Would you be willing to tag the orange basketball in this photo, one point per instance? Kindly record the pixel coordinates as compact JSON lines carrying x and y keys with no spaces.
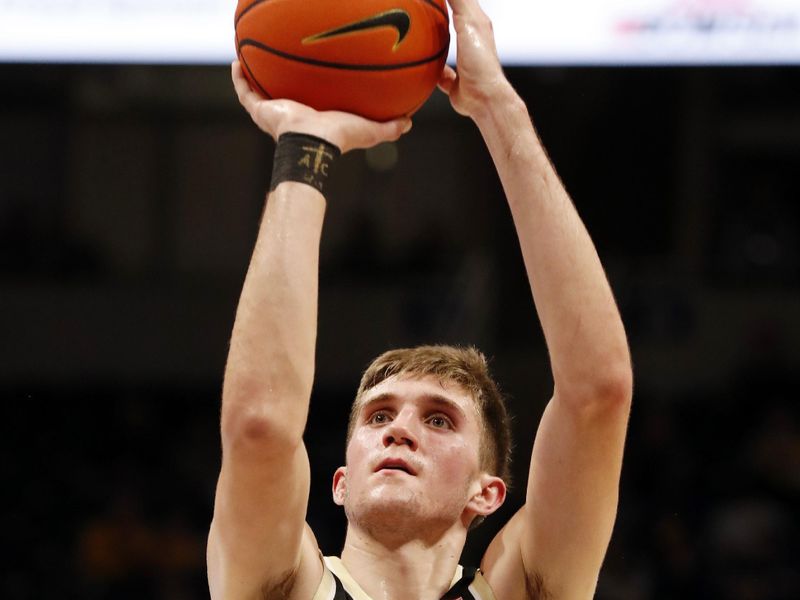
{"x":377,"y":58}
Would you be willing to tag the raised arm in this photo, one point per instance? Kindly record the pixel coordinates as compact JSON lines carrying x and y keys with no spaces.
{"x":557,"y":542}
{"x":259,"y":545}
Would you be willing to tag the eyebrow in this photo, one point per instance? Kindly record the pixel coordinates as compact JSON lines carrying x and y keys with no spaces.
{"x":435,"y":399}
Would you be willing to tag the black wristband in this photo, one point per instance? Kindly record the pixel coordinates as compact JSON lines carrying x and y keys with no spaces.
{"x":303,"y":158}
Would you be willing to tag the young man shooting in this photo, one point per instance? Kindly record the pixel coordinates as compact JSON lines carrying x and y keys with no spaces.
{"x":427,"y":443}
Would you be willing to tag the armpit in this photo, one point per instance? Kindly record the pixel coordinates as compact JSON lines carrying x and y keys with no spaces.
{"x":535,"y":588}
{"x":279,"y":588}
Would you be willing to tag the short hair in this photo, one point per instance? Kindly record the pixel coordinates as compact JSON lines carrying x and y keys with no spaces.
{"x":464,"y":366}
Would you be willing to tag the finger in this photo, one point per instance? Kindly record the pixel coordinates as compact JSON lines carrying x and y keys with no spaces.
{"x":239,"y":82}
{"x":447,"y":79}
{"x":371,"y":133}
{"x":465,"y":7}
{"x":237,"y":75}
{"x":400,"y":127}
{"x":388,"y":131}
{"x":247,"y":97}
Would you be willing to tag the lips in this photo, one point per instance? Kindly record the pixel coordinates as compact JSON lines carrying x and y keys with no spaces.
{"x":395,"y":464}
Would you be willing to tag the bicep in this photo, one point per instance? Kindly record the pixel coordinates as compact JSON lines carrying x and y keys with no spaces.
{"x":260,"y":505}
{"x":561,"y":535}
{"x":573,"y":490}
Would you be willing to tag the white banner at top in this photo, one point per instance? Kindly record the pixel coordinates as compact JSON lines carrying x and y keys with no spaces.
{"x":640,"y":32}
{"x":529,"y":32}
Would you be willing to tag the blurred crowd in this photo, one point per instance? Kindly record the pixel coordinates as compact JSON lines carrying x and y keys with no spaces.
{"x":710,"y":495}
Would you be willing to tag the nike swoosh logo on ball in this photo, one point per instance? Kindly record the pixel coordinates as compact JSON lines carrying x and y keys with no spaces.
{"x":396,"y":17}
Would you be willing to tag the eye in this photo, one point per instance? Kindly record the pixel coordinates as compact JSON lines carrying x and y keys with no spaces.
{"x":440,"y":421}
{"x":379,"y":417}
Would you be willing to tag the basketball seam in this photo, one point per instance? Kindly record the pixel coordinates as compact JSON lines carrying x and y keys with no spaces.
{"x":255,"y":79}
{"x":343,"y":66}
{"x":247,"y":10}
{"x":431,"y":3}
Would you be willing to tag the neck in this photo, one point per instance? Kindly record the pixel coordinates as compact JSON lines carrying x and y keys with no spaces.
{"x":391,"y":568}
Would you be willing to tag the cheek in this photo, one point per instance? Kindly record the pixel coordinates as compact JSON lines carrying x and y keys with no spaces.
{"x":359,"y":449}
{"x":459,"y":460}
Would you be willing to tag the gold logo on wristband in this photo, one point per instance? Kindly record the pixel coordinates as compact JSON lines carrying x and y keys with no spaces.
{"x":302,"y":158}
{"x":315,"y":160}
{"x":319,"y":163}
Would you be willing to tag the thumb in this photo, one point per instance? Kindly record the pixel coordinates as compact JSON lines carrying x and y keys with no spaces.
{"x":392,"y":130}
{"x":447,"y":79}
{"x":372,"y":133}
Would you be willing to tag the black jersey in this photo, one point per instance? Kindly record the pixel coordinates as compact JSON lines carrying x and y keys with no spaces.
{"x":338,"y":584}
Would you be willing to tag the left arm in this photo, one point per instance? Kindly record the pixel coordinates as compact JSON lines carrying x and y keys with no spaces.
{"x":564,"y":528}
{"x":557,"y":542}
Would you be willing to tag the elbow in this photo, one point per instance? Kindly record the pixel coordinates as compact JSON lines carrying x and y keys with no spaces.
{"x":609,"y":392}
{"x":615,"y":383}
{"x":615,"y":391}
{"x":262,"y":417}
{"x":259,"y":429}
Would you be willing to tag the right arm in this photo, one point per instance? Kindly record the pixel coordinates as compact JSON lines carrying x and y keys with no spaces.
{"x":263,"y":486}
{"x":258,"y":540}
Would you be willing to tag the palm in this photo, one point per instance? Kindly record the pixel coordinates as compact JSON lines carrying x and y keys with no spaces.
{"x":479,"y":70}
{"x":345,"y":130}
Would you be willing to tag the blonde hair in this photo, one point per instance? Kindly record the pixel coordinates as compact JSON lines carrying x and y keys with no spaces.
{"x":464,"y":366}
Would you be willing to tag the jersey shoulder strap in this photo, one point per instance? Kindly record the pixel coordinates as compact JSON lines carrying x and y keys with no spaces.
{"x":471,"y":586}
{"x":338,"y":584}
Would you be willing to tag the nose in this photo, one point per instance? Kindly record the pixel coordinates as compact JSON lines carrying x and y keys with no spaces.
{"x":400,"y":433}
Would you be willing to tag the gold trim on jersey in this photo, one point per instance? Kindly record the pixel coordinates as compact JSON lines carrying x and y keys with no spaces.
{"x":327,"y":587}
{"x":480,"y":587}
{"x":333,"y":565}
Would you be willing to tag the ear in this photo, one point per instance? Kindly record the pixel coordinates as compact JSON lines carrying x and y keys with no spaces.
{"x":339,"y":485}
{"x":489,"y":497}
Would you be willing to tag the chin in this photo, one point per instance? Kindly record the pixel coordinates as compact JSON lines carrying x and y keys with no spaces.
{"x":388,"y":512}
{"x":388,"y":502}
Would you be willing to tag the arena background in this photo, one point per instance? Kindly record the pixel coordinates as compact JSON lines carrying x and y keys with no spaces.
{"x":129,"y":201}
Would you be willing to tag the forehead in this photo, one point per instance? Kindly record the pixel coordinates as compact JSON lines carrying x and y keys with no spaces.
{"x":412,"y":388}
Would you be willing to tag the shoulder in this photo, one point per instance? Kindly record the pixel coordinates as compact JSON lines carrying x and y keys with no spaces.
{"x":504,"y":570}
{"x":298,"y":583}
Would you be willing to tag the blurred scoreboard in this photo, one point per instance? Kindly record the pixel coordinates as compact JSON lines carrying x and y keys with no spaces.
{"x":529,"y":32}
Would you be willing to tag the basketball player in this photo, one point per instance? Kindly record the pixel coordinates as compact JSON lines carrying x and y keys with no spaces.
{"x":427,"y":445}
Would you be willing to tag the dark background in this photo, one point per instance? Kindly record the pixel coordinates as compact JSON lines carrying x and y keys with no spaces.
{"x":129,"y":202}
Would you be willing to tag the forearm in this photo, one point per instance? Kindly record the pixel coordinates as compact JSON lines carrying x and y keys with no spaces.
{"x":270,"y":367}
{"x":581,"y":323}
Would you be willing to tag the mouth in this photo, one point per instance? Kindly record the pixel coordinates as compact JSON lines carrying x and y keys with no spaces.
{"x":395,"y":464}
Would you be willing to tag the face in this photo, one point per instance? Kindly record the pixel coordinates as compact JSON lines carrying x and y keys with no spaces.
{"x":413,"y":458}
